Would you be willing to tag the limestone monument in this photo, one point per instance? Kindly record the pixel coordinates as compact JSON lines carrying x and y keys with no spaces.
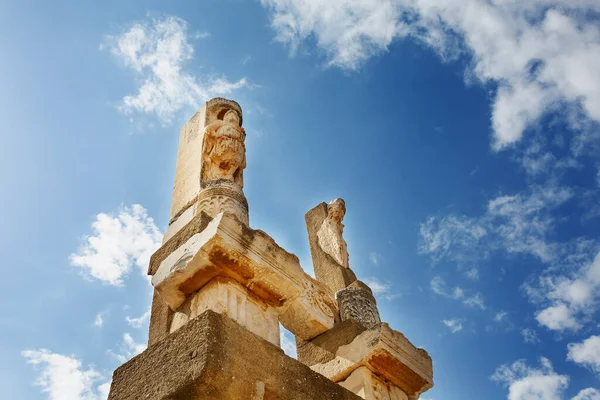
{"x":222,"y":290}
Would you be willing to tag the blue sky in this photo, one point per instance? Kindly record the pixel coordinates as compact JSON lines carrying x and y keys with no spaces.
{"x":463,"y":135}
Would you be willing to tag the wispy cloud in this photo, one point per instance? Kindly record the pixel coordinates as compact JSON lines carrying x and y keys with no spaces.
{"x":439,"y":287}
{"x":382,"y":289}
{"x":117,"y":243}
{"x":529,"y":336}
{"x":158,"y":50}
{"x":455,"y":325}
{"x":64,"y":377}
{"x":129,"y":348}
{"x":538,"y":55}
{"x":374,"y":258}
{"x":140,"y":321}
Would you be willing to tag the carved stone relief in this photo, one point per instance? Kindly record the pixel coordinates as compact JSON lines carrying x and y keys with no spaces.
{"x":330,"y":234}
{"x":358,"y":304}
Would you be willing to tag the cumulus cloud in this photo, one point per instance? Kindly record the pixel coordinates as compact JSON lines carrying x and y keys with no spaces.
{"x":439,"y":287}
{"x":116,"y":244}
{"x":158,"y":50}
{"x":64,"y":378}
{"x":538,"y":55}
{"x":528,"y":383}
{"x":569,"y":299}
{"x":455,"y":325}
{"x":586,"y":353}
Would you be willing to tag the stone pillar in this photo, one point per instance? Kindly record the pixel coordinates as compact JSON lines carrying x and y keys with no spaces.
{"x":327,"y":245}
{"x":210,"y":163}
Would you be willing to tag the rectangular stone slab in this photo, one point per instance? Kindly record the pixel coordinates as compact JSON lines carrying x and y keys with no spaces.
{"x":212,"y":357}
{"x":227,"y":247}
{"x":388,"y":354}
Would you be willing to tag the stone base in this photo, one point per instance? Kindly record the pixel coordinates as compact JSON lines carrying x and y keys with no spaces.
{"x":212,"y":357}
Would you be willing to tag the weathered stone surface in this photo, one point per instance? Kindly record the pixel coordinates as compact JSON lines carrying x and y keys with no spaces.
{"x":365,"y":384}
{"x":212,"y":357}
{"x":195,"y":225}
{"x":388,"y":354}
{"x":325,"y":238}
{"x":226,"y":296}
{"x":161,"y":317}
{"x":211,"y":147}
{"x":357,"y":303}
{"x":227,"y":247}
{"x":323,"y":348}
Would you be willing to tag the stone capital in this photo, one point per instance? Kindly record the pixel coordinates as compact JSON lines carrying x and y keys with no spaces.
{"x":227,"y":247}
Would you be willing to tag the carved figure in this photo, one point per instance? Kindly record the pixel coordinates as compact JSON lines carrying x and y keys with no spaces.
{"x":330,"y":234}
{"x":224,"y":151}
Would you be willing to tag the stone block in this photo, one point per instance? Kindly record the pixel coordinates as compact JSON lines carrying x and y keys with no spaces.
{"x":212,"y":357}
{"x":323,"y":348}
{"x":226,"y":296}
{"x":228,"y":248}
{"x":388,"y":354}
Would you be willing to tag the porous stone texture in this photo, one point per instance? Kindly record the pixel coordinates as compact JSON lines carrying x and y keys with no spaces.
{"x":357,"y":303}
{"x":388,"y":354}
{"x":365,"y":384}
{"x":228,"y":248}
{"x":327,"y":246}
{"x":226,"y":296}
{"x":212,"y":357}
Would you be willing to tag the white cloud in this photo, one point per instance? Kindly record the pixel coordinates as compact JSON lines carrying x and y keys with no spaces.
{"x":538,"y":54}
{"x":557,"y":318}
{"x":118,"y":242}
{"x":588,"y":394}
{"x":455,"y":325}
{"x":438,"y":286}
{"x":128,"y":349}
{"x":64,"y":378}
{"x":517,"y":224}
{"x":157,"y":50}
{"x":527,"y":383}
{"x":586,"y":353}
{"x":140,"y":321}
{"x":570,"y":299}
{"x":99,"y":320}
{"x":530,"y":336}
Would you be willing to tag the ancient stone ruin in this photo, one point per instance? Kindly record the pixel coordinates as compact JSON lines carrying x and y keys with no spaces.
{"x":222,"y":289}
